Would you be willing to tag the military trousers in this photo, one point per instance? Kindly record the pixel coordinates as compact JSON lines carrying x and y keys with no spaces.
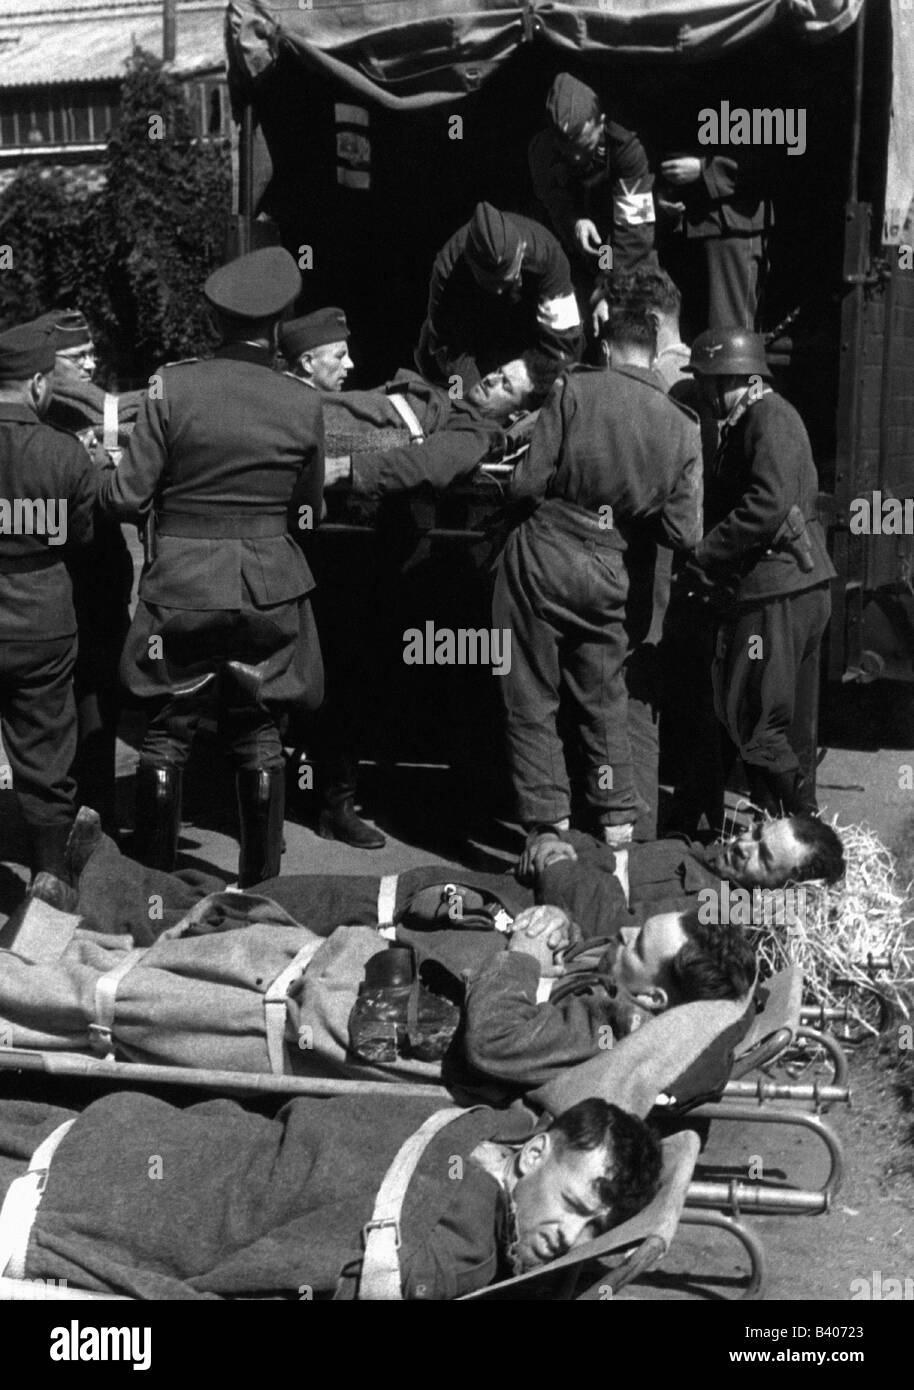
{"x":763,"y":654}
{"x":38,"y":715}
{"x":560,"y":591}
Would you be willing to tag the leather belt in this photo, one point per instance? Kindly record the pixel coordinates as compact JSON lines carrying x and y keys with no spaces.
{"x":237,"y":526}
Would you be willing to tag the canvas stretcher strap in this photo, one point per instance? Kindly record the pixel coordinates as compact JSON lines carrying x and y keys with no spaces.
{"x":409,"y":417}
{"x":274,"y":1004}
{"x":101,"y":1032}
{"x":23,"y":1198}
{"x":380,"y":1278}
{"x":387,"y":898}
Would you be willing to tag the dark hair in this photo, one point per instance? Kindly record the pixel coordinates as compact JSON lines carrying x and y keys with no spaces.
{"x":543,"y":372}
{"x":826,"y":852}
{"x":631,"y":325}
{"x":649,"y":287}
{"x":716,"y":962}
{"x":632,"y":1173}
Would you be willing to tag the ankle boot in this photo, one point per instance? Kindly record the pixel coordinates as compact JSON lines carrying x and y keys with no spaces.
{"x":261,"y":813}
{"x":158,"y":816}
{"x":339,"y":822}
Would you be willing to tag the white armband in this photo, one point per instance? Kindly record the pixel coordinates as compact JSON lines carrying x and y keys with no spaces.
{"x":559,"y":314}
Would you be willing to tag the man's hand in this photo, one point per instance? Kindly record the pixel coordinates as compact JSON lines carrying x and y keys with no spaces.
{"x":683,"y":170}
{"x":337,"y":470}
{"x":545,"y":933}
{"x":599,"y":313}
{"x":587,"y":236}
{"x":539,"y":852}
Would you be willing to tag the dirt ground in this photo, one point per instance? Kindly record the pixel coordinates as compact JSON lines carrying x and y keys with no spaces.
{"x":869,"y":735}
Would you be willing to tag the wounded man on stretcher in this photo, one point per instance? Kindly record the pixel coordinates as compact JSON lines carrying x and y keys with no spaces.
{"x":351,"y":1196}
{"x":464,"y":985}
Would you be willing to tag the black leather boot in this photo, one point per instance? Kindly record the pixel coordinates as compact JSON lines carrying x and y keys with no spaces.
{"x":261,"y":812}
{"x":339,"y":822}
{"x":158,"y":816}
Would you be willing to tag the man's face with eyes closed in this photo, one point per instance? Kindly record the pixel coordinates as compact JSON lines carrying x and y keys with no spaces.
{"x":557,"y":1198}
{"x":766,"y":856}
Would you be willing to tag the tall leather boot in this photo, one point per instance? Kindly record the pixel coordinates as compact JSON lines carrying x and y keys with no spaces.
{"x":261,"y":812}
{"x":338,"y":819}
{"x":158,"y":816}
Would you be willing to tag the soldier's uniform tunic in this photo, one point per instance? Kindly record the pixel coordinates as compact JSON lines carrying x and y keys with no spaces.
{"x":38,"y":625}
{"x":608,"y":440}
{"x":226,"y":459}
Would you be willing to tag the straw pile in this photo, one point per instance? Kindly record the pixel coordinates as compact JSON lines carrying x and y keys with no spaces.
{"x":864,"y":916}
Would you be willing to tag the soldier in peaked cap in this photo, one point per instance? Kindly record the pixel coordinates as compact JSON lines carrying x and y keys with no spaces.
{"x":316,"y":347}
{"x":102,"y":571}
{"x":227,"y":457}
{"x":49,"y":492}
{"x":499,"y":287}
{"x":766,"y":544}
{"x":592,"y":177}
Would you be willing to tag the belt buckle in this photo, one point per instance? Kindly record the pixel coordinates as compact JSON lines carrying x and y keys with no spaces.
{"x":385,"y":1222}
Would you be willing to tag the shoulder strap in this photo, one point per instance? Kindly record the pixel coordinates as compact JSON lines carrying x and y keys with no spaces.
{"x":381,"y":1263}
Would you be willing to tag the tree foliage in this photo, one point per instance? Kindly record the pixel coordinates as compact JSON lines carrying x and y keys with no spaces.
{"x":134,"y":252}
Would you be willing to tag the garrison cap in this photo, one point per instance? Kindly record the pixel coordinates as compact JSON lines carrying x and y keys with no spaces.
{"x":256,"y":286}
{"x":493,"y":240}
{"x":312,"y":331}
{"x":69,"y":328}
{"x":570,"y":105}
{"x":728,"y":352}
{"x":25,"y":350}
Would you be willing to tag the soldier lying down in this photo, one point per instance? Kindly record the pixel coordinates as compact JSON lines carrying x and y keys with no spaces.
{"x":410,"y":433}
{"x":156,"y":1202}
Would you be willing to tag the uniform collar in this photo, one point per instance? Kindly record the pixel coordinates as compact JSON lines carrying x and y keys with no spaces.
{"x":245,"y":352}
{"x":645,"y":374}
{"x":13,"y":410}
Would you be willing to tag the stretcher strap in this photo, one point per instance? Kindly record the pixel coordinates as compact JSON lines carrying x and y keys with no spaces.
{"x":109,"y":427}
{"x":380,"y":1278}
{"x":621,"y":873}
{"x":387,"y":898}
{"x":101,"y":1032}
{"x":274,"y":1004}
{"x":409,"y":417}
{"x":23,"y":1198}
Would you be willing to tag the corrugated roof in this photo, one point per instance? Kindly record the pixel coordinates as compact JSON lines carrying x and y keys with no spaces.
{"x":82,"y":41}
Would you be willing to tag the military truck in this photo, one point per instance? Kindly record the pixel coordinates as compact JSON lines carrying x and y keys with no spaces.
{"x":368,"y":132}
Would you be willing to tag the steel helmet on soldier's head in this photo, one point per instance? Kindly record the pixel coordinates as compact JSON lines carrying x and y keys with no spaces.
{"x":728,"y":352}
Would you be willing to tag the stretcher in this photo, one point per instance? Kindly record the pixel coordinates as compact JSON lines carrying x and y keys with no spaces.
{"x":596,"y":1269}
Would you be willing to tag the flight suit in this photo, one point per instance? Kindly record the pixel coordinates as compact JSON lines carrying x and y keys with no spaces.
{"x":38,"y":626}
{"x":612,"y":459}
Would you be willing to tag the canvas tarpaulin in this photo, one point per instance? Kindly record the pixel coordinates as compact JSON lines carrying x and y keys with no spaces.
{"x":410,"y":54}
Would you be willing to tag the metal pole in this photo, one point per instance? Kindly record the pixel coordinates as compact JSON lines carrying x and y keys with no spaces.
{"x":245,"y":178}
